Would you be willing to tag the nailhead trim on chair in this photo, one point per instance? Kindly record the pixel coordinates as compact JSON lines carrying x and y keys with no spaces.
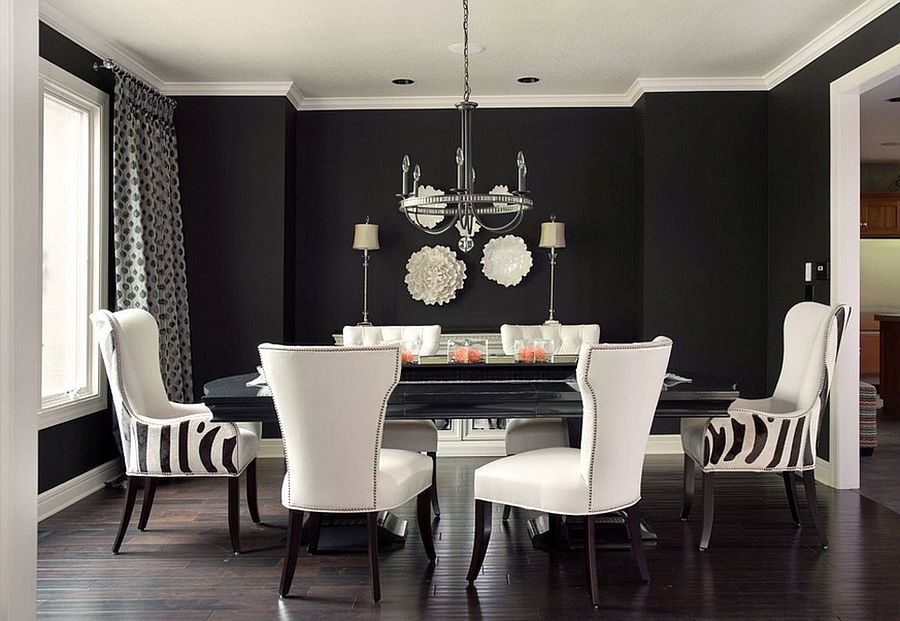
{"x":341,"y":349}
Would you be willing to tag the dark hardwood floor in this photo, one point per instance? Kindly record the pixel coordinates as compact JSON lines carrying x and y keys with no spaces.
{"x":759,"y":565}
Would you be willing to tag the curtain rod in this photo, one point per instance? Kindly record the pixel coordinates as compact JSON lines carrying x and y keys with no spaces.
{"x":108,"y":63}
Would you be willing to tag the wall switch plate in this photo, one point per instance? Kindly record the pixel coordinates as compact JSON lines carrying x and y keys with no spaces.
{"x":822,"y":270}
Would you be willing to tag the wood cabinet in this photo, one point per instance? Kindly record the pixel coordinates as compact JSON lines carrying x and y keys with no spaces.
{"x":879,"y":214}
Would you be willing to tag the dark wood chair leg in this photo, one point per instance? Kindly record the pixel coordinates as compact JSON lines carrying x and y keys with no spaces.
{"x":314,"y":529}
{"x":234,"y":513}
{"x":372,"y":521}
{"x":637,"y":543}
{"x":590,"y":558}
{"x":423,"y":515}
{"x":130,"y":495}
{"x":809,"y":484}
{"x":791,"y":491}
{"x":708,"y":509}
{"x":436,"y":506}
{"x":483,"y":514}
{"x":147,"y":501}
{"x":688,"y":488}
{"x":252,"y":504}
{"x":555,"y":522}
{"x":506,"y":511}
{"x":291,"y":551}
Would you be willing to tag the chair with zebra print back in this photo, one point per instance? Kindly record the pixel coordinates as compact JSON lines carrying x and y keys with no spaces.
{"x":161,"y":439}
{"x":777,"y":434}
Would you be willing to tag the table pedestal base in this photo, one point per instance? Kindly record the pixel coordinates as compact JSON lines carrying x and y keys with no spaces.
{"x":612,"y":534}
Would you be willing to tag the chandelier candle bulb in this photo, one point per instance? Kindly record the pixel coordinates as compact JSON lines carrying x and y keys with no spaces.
{"x":404,"y":165}
{"x":417,"y":174}
{"x":520,"y":161}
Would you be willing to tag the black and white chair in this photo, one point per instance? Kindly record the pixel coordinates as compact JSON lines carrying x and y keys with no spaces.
{"x":777,"y":434}
{"x":409,"y":435}
{"x":620,"y":386}
{"x":161,"y":439}
{"x":331,"y":403}
{"x":529,"y":434}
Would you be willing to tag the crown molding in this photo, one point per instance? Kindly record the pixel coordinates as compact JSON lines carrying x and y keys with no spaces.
{"x":448,"y":101}
{"x":96,"y":44}
{"x":295,"y":95}
{"x":835,"y":34}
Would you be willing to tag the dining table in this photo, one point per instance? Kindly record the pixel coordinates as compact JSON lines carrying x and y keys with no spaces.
{"x":497,"y":389}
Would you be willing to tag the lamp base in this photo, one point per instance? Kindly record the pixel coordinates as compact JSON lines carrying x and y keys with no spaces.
{"x":551,"y":322}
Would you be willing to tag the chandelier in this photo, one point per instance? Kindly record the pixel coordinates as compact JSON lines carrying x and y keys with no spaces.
{"x":462,"y":206}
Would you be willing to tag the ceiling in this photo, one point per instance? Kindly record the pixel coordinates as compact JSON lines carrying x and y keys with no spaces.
{"x":353,"y":48}
{"x":880,"y":122}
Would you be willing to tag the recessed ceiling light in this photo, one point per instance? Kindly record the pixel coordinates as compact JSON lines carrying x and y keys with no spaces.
{"x":403,"y":81}
{"x":894,"y":99}
{"x":528,"y":79}
{"x":474,"y":48}
{"x":892,"y":143}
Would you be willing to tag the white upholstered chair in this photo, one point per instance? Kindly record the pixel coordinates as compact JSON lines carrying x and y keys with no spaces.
{"x":777,"y":434}
{"x":161,"y":439}
{"x":410,"y":435}
{"x":331,"y":403}
{"x":528,"y":434}
{"x":620,"y":386}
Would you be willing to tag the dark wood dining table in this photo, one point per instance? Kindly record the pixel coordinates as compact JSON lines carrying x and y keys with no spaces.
{"x":495,"y":390}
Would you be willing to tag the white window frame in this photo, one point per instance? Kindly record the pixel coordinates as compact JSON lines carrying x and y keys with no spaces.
{"x":65,"y":86}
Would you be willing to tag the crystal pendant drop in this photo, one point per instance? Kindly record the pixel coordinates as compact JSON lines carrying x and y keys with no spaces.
{"x":466,"y":243}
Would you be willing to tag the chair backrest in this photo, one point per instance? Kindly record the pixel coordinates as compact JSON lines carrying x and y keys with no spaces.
{"x":331,"y":403}
{"x":568,"y":338}
{"x":620,"y":386}
{"x":429,"y":337}
{"x":812,"y":337}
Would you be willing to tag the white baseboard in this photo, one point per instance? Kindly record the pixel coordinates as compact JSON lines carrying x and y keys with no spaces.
{"x":663,"y":444}
{"x":824,"y":472}
{"x":58,"y":498}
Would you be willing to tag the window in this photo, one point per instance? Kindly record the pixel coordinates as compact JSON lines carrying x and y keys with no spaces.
{"x":74,"y":162}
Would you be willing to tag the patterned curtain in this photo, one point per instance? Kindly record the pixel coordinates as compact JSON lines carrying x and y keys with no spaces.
{"x":149,"y":243}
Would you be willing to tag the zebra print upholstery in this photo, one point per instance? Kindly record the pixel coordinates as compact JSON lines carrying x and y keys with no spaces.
{"x":160,"y":438}
{"x":777,"y":434}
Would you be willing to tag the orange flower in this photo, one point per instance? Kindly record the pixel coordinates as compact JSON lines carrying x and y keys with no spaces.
{"x":406,"y":356}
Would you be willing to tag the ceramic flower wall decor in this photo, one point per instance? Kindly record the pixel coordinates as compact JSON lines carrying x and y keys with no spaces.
{"x":506,"y":260}
{"x":434,"y":275}
{"x":427,"y":220}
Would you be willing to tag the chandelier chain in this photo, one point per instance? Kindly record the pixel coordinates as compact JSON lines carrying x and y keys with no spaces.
{"x":466,"y":90}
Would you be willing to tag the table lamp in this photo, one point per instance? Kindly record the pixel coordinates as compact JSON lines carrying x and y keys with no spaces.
{"x":553,"y":236}
{"x":365,"y":238}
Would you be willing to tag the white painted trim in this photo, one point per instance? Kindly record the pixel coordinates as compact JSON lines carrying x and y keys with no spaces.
{"x":665,"y":444}
{"x":448,"y":101}
{"x":20,"y":307}
{"x":824,"y":472}
{"x":239,"y":89}
{"x":66,"y":494}
{"x":96,"y":44}
{"x":295,"y":95}
{"x":837,"y":32}
{"x":845,"y":158}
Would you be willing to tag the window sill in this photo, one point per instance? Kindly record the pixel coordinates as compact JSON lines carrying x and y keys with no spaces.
{"x":63,"y":413}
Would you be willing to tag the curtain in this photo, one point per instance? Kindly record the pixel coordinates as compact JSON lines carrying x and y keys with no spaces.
{"x":149,"y":242}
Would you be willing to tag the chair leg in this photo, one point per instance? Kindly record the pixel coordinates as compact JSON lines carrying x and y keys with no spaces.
{"x":372,"y":521}
{"x":555,"y":522}
{"x":314,"y":529}
{"x":291,"y":551}
{"x":130,"y":495}
{"x":688,"y":488}
{"x":234,"y":513}
{"x":252,"y":504}
{"x":809,"y":484}
{"x":147,"y":501}
{"x":590,"y":557}
{"x":637,"y":543}
{"x":506,"y":511}
{"x":423,"y":515}
{"x":435,"y":505}
{"x":483,"y":514}
{"x":791,"y":491}
{"x":708,"y":509}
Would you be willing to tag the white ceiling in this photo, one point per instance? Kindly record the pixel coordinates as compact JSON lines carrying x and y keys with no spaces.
{"x":341,"y":48}
{"x":880,"y":122}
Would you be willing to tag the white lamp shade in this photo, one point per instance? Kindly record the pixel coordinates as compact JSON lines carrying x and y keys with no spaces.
{"x":365,"y":236}
{"x":553,"y":235}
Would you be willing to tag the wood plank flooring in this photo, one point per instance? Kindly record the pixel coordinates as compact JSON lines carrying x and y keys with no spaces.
{"x":759,"y":566}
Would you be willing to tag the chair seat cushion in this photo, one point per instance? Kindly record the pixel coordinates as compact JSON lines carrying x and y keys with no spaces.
{"x":410,"y":435}
{"x":530,"y":434}
{"x":544,"y":480}
{"x":402,"y":475}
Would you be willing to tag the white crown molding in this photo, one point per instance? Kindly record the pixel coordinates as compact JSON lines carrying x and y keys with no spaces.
{"x":96,"y":44}
{"x":295,"y":95}
{"x":236,"y":89}
{"x":448,"y":101}
{"x":838,"y":32}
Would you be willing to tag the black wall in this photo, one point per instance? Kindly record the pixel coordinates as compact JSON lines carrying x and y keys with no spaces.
{"x":580,"y":167}
{"x":70,"y":449}
{"x":701,"y":185}
{"x":236,"y":158}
